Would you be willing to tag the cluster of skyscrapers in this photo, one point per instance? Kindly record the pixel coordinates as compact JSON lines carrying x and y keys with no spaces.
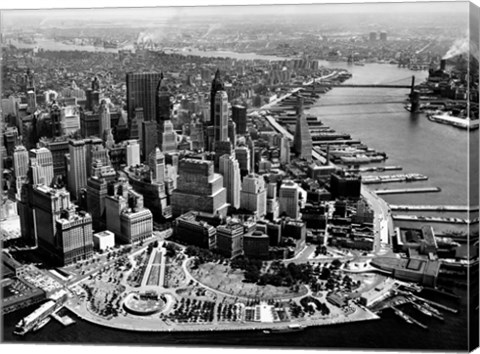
{"x":100,"y":168}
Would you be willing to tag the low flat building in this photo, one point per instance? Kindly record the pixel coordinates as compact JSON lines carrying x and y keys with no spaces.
{"x":104,"y":240}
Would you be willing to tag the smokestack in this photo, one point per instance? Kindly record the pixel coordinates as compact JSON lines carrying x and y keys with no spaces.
{"x":443,"y":64}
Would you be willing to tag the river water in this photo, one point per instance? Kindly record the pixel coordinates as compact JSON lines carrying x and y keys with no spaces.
{"x":413,"y":142}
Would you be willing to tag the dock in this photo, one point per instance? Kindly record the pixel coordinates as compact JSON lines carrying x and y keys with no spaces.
{"x":375,"y":169}
{"x":429,"y":219}
{"x":435,"y":304}
{"x":407,"y":190}
{"x":409,"y":177}
{"x":432,"y":207}
{"x":339,"y":141}
{"x":408,"y":318}
{"x":64,"y":320}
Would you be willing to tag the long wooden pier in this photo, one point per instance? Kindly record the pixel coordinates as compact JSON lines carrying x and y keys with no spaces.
{"x":432,"y":207}
{"x":408,"y":190}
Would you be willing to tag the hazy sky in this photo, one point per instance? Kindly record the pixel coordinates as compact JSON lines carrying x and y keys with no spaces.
{"x":166,"y":12}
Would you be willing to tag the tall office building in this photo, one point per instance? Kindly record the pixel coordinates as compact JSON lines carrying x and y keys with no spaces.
{"x":284,"y":150}
{"x":289,"y":200}
{"x":199,"y":188}
{"x":149,"y":140}
{"x":197,"y":134}
{"x":125,"y":214}
{"x":62,"y":233}
{"x":141,"y":91}
{"x":104,"y":119}
{"x":239,"y":116}
{"x":217,"y":85}
{"x":41,"y":163}
{"x":230,"y":170}
{"x":220,"y":117}
{"x":253,"y":196}
{"x":302,"y":140}
{"x":242,"y":154}
{"x":156,"y":162}
{"x":77,"y":175}
{"x":20,"y":161}
{"x":20,"y":169}
{"x":167,"y":138}
{"x":133,"y":152}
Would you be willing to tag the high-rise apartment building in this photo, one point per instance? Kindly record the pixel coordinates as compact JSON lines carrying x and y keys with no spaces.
{"x":289,"y":200}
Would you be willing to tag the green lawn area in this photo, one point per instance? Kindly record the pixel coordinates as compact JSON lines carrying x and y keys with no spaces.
{"x":223,"y":278}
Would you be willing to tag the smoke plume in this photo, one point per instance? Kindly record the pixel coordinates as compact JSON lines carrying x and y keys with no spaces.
{"x":460,"y":46}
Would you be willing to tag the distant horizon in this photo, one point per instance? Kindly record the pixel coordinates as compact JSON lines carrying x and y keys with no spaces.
{"x":150,"y":13}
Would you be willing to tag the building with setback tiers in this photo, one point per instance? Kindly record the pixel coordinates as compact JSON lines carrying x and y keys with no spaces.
{"x":62,"y":233}
{"x":126,"y":215}
{"x":199,"y":188}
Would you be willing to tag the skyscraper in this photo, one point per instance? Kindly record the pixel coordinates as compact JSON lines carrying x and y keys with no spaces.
{"x":141,"y":90}
{"x":220,"y":117}
{"x":289,"y":199}
{"x":253,"y":196}
{"x":20,"y":161}
{"x":77,"y":176}
{"x":230,"y":170}
{"x":149,"y":140}
{"x":133,"y":153}
{"x":167,"y":138}
{"x":239,"y":116}
{"x":20,"y":169}
{"x":41,"y":163}
{"x":199,"y":188}
{"x":105,"y":123}
{"x":302,"y":140}
{"x":217,"y":85}
{"x":156,"y":162}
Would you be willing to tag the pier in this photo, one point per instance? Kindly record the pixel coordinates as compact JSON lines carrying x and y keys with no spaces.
{"x":393,"y":178}
{"x":408,"y":190}
{"x":408,"y":318}
{"x":64,"y":320}
{"x":430,"y":219}
{"x":375,"y":169}
{"x":432,"y":207}
{"x":338,"y":141}
{"x":435,"y":304}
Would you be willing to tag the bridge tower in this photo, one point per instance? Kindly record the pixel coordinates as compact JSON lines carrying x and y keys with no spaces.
{"x":414,"y":97}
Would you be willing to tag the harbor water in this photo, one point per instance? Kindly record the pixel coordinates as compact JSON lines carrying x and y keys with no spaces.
{"x":415,"y":143}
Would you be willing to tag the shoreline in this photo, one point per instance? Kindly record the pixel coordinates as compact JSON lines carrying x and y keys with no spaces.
{"x":162,"y":327}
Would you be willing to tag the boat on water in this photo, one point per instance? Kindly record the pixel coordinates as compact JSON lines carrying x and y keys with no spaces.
{"x":288,"y":329}
{"x":422,"y":309}
{"x":36,"y":319}
{"x":403,"y":316}
{"x":41,"y":324}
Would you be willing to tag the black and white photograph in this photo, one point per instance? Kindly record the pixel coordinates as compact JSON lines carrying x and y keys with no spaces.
{"x":268,"y":176}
